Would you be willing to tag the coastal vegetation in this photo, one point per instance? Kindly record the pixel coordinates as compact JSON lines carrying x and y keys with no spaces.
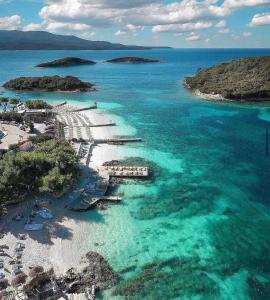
{"x":37,"y":104}
{"x":11,"y":116}
{"x":51,"y":167}
{"x":245,"y":79}
{"x":66,"y":62}
{"x":132,"y":60}
{"x":49,"y":83}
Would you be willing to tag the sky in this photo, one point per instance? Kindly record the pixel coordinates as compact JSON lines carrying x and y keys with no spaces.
{"x":180,"y":24}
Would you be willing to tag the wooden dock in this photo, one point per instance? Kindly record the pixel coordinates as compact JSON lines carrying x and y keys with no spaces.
{"x":60,"y":104}
{"x":118,"y":140}
{"x":125,"y":171}
{"x":94,"y":106}
{"x":92,"y":125}
{"x":91,"y":204}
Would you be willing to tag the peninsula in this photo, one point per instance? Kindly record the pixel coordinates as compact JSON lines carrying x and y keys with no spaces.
{"x":49,"y":83}
{"x":132,"y":60}
{"x":66,"y":62}
{"x":238,"y":80}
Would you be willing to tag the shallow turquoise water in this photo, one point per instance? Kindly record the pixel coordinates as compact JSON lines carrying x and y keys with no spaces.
{"x":203,"y":222}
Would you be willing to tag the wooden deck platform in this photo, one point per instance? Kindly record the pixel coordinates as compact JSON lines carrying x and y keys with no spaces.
{"x":86,"y":205}
{"x":117,"y":140}
{"x":125,"y":171}
{"x":93,"y":125}
{"x":94,"y":106}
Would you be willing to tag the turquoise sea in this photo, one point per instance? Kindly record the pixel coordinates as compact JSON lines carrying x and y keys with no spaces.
{"x":200,"y":228}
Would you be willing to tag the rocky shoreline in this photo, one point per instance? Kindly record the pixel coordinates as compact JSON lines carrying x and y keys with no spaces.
{"x":96,"y":274}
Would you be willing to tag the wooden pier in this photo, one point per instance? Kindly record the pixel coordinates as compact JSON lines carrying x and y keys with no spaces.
{"x":91,"y":204}
{"x":94,"y":106}
{"x":92,"y":125}
{"x":117,"y":140}
{"x":60,"y":104}
{"x":125,"y":171}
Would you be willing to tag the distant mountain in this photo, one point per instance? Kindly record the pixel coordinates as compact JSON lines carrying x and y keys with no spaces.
{"x":42,"y":40}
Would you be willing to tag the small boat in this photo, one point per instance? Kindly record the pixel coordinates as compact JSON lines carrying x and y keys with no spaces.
{"x":33,"y":227}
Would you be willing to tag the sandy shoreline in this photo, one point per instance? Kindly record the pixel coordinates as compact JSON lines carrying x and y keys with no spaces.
{"x":61,"y":243}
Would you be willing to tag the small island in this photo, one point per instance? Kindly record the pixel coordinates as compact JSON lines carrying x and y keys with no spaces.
{"x":49,"y":83}
{"x":132,"y":60}
{"x":238,"y":80}
{"x":66,"y":62}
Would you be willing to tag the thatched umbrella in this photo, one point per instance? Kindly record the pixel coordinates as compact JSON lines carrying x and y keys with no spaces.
{"x":19,"y":279}
{"x":3,"y":284}
{"x":3,"y":295}
{"x":35,"y":271}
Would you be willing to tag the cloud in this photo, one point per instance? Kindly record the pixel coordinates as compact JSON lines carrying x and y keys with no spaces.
{"x":32,"y":27}
{"x":10,"y":23}
{"x":134,"y":28}
{"x":138,"y":12}
{"x":181,"y":27}
{"x":15,"y":23}
{"x":120,"y":33}
{"x":193,"y":37}
{"x":221,"y":24}
{"x":260,"y":20}
{"x":235,"y":36}
{"x":67,"y":27}
{"x":129,"y":28}
{"x":236,"y":4}
{"x":247,"y":34}
{"x":224,"y":31}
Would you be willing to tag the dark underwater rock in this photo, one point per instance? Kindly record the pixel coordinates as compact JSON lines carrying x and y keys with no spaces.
{"x":97,"y":272}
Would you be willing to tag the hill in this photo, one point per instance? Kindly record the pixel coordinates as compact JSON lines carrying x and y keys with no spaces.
{"x":243,"y":80}
{"x":42,"y":40}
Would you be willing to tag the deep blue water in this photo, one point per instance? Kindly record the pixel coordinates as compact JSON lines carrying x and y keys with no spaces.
{"x":200,"y":229}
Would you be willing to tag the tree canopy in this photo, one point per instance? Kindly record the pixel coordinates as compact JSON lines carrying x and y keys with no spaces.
{"x":51,"y":167}
{"x":37,"y":104}
{"x":244,"y":79}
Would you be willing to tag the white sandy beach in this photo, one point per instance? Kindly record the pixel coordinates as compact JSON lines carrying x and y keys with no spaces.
{"x":61,"y":244}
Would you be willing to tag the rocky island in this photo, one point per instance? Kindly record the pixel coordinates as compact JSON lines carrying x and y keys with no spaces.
{"x":49,"y":83}
{"x":238,"y":80}
{"x":66,"y":62}
{"x":132,"y":60}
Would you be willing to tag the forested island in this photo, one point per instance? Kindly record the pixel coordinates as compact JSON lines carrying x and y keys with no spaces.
{"x":66,"y":62}
{"x":132,"y":60}
{"x":49,"y":83}
{"x":240,"y":80}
